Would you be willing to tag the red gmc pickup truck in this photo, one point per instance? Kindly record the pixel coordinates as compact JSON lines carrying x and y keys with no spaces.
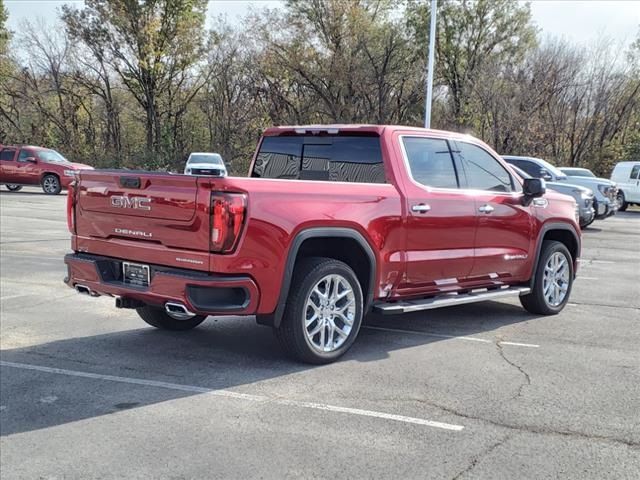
{"x":332,"y":222}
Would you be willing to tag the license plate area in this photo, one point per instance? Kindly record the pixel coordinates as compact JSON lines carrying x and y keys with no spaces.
{"x":135,"y":274}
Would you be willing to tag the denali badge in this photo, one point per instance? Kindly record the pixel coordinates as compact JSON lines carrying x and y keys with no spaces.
{"x":135,"y":233}
{"x":139,"y":203}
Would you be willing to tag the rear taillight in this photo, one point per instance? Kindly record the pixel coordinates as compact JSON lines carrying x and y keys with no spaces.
{"x":71,"y":203}
{"x":227,"y":217}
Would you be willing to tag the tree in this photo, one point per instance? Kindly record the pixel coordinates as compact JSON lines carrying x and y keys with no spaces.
{"x":152,"y":44}
{"x":470,"y":36}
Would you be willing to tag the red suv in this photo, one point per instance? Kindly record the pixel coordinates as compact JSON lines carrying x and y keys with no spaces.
{"x":26,"y":165}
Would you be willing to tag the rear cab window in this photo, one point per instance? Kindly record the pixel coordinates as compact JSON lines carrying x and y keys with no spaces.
{"x":338,"y":158}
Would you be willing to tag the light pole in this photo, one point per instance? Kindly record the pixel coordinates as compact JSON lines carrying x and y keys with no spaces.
{"x":432,"y":49}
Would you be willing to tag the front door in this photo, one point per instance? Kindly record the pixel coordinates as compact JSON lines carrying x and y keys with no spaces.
{"x":634,"y":184}
{"x":503,"y":236}
{"x":27,"y":172}
{"x":441,"y":219}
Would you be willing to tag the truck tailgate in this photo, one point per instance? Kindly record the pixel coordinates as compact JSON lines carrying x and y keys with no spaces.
{"x":152,"y":217}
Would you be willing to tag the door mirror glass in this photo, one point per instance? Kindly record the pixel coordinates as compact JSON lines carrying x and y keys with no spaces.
{"x":534,"y":187}
{"x":544,"y":173}
{"x":31,"y":160}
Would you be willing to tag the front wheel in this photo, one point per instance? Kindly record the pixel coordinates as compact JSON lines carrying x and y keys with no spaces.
{"x":622,"y":204}
{"x":157,"y":317}
{"x":51,"y":184}
{"x":553,"y":280}
{"x":323,"y":312}
{"x":13,"y":188}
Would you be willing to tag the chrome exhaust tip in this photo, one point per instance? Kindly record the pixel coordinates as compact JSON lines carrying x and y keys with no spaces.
{"x":83,"y":289}
{"x":178,"y":311}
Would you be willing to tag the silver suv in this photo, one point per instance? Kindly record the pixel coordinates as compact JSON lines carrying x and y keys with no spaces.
{"x":605,"y":191}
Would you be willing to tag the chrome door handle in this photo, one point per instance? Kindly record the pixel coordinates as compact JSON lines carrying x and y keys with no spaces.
{"x":486,"y":209}
{"x":420,"y":208}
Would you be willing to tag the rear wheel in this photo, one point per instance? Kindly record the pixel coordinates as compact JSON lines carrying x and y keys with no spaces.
{"x":622,"y":204}
{"x":553,"y":280}
{"x":323,"y":312}
{"x":51,"y":184}
{"x":13,"y":188}
{"x":586,"y":224}
{"x":157,"y":317}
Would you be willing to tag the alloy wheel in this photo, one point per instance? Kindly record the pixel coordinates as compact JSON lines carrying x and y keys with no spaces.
{"x":555,"y":284}
{"x":329,"y":313}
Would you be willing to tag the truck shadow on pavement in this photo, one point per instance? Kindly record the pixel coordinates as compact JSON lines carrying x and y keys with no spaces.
{"x":222,"y":353}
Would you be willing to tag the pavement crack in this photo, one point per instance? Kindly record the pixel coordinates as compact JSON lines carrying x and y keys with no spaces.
{"x":476,"y":459}
{"x":527,"y":377}
{"x":534,"y":429}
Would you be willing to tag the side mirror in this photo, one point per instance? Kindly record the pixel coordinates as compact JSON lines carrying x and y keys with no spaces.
{"x":533,"y":188}
{"x":31,"y":160}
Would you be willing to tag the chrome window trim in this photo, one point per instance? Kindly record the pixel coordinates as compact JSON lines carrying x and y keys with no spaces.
{"x":464,"y":191}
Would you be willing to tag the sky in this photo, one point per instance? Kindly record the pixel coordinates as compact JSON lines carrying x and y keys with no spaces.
{"x":578,"y":21}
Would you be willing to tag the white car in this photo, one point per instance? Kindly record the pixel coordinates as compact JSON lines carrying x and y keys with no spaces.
{"x":202,"y":163}
{"x":627,"y":176}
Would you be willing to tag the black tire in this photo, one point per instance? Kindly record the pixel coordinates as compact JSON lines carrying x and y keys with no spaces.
{"x":535,"y":302}
{"x":13,"y":188}
{"x":157,"y":317}
{"x":51,"y":184}
{"x":585,"y":225}
{"x":292,"y":334}
{"x":622,"y":205}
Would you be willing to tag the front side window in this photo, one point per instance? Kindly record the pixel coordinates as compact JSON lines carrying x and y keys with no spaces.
{"x":24,"y":154}
{"x":346,"y":158}
{"x":634,"y":172}
{"x":430,"y":162}
{"x":482,"y":170}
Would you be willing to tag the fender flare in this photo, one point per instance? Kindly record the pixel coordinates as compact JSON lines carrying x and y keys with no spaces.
{"x":319,"y":232}
{"x":547,"y":227}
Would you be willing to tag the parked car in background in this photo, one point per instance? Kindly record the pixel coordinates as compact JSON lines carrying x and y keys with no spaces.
{"x":583,"y":197}
{"x":577,"y":172}
{"x":334,"y":221}
{"x":202,"y":163}
{"x":28,"y":165}
{"x":605,"y":201}
{"x":627,"y":177}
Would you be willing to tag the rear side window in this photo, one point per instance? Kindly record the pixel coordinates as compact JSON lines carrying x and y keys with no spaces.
{"x":7,"y":155}
{"x":483,"y":171}
{"x":336,"y":159}
{"x":430,"y":162}
{"x":634,"y":172}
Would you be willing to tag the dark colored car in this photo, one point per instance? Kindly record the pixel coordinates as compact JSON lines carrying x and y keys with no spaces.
{"x":333,"y":222}
{"x":27,"y":165}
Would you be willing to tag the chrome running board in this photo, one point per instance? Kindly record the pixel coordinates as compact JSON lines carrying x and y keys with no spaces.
{"x":447,"y":300}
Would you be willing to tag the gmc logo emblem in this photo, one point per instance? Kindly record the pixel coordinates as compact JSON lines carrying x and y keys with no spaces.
{"x":138,"y":203}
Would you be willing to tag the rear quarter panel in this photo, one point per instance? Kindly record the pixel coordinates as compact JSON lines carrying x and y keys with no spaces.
{"x":280,"y":209}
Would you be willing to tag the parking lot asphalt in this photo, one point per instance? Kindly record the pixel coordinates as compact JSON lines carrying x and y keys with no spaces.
{"x":476,"y":391}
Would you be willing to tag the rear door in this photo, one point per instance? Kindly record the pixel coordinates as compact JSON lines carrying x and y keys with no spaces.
{"x":504,"y":225}
{"x":441,"y":218}
{"x":8,"y":165}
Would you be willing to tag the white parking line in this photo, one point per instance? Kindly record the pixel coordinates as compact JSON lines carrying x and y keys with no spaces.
{"x":455,"y":337}
{"x":235,"y":395}
{"x":586,"y":260}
